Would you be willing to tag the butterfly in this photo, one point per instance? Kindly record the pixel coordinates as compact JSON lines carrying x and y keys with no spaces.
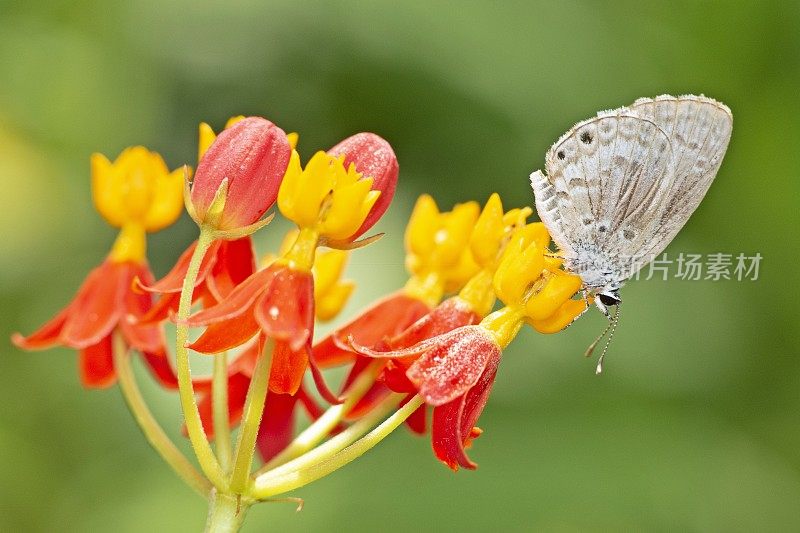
{"x":619,"y":186}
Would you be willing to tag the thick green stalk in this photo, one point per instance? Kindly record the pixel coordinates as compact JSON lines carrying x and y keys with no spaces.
{"x":225,"y":512}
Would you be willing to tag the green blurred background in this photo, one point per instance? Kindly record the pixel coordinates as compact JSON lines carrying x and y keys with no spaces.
{"x":694,"y":426}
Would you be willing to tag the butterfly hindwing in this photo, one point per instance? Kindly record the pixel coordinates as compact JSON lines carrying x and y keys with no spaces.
{"x":700,"y":130}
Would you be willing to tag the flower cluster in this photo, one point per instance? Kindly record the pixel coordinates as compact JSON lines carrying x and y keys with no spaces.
{"x":433,"y":345}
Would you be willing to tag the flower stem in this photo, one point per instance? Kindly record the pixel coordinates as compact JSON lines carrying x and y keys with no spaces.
{"x":336,"y":443}
{"x":219,"y":395}
{"x":225,"y":512}
{"x":321,"y":427}
{"x":150,"y":427}
{"x":251,"y":420}
{"x":194,"y":426}
{"x":267,"y":485}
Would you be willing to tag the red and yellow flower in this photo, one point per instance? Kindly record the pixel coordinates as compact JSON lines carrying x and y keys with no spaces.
{"x":488,"y":238}
{"x":138,"y":194}
{"x":454,"y":371}
{"x":330,"y":203}
{"x":438,"y":259}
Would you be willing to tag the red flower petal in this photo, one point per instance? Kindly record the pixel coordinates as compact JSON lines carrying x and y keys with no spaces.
{"x":319,"y":381}
{"x":237,"y":395}
{"x":166,"y":305}
{"x":161,"y":368}
{"x":46,"y":336}
{"x":286,"y":312}
{"x":394,"y":376}
{"x":454,"y":365}
{"x":98,"y":305}
{"x":288,"y":368}
{"x":239,"y":301}
{"x":226,"y":335}
{"x":173,"y":281}
{"x":235,"y":263}
{"x":447,"y":316}
{"x":376,"y":393}
{"x":277,"y":424}
{"x":143,"y":337}
{"x":453,"y":422}
{"x":386,"y":318}
{"x":411,"y":351}
{"x":97,"y":365}
{"x":418,"y":421}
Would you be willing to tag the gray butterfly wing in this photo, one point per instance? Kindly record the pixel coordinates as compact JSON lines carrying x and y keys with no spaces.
{"x":606,"y":178}
{"x":699,"y":129}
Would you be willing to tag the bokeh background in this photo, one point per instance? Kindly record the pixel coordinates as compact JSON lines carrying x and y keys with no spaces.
{"x":695,"y":425}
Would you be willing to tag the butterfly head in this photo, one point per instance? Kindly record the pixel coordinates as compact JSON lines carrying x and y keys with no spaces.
{"x":605,"y":299}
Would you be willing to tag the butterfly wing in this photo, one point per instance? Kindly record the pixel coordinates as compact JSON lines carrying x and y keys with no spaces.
{"x":699,"y":129}
{"x":606,"y":177}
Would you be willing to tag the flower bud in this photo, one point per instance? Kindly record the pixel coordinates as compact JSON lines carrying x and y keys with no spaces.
{"x":252,"y":155}
{"x":374,"y":158}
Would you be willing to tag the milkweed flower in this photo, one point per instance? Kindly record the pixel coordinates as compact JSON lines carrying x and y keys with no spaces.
{"x":138,"y":194}
{"x":437,"y":257}
{"x":488,"y":239}
{"x":226,"y":262}
{"x":329,"y":203}
{"x":278,"y":422}
{"x":238,"y":176}
{"x":454,"y":371}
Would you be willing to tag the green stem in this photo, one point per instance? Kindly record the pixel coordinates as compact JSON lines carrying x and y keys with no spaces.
{"x":219,"y":396}
{"x":194,"y":425}
{"x":267,"y":485}
{"x":225,"y":512}
{"x":336,"y":443}
{"x":321,"y":427}
{"x":150,"y":427}
{"x":251,"y":420}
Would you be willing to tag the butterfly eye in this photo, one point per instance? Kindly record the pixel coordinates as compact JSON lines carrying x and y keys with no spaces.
{"x":607,"y":299}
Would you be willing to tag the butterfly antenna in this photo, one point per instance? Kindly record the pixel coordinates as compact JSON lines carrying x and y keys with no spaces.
{"x":613,"y":326}
{"x":592,"y":346}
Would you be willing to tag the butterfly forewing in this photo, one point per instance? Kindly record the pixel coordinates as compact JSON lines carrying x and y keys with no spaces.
{"x":604,"y":174}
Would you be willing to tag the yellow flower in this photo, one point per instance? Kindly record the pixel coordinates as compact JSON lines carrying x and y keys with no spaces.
{"x":437,"y":251}
{"x":330,"y":291}
{"x":136,"y":193}
{"x":491,"y":234}
{"x":325,"y":196}
{"x":532,"y":285}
